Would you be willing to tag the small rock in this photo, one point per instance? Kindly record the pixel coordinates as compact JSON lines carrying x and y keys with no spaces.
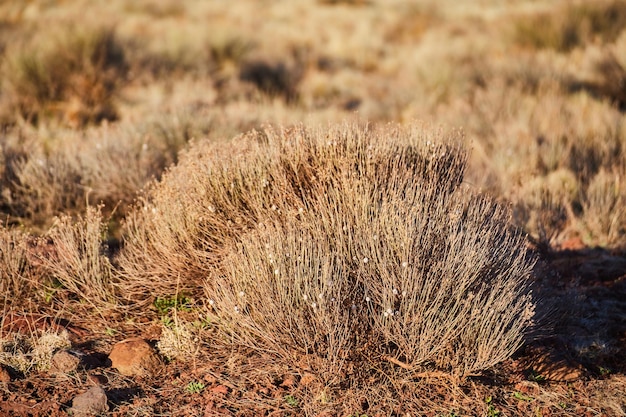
{"x":4,"y":375}
{"x":64,"y":361}
{"x":91,"y":403}
{"x":134,"y":357}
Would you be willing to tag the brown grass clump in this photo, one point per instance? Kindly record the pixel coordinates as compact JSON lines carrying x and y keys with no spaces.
{"x":79,"y":262}
{"x":573,"y":25}
{"x":543,"y":154}
{"x":326,"y":248}
{"x":603,"y":205}
{"x":15,"y":270}
{"x":610,"y":82}
{"x":73,"y":77}
{"x":46,"y":177}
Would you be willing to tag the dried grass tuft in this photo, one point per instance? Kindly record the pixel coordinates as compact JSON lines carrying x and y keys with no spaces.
{"x":15,"y":269}
{"x":79,"y":262}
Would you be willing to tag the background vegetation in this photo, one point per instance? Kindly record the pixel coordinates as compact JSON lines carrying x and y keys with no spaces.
{"x":162,"y":150}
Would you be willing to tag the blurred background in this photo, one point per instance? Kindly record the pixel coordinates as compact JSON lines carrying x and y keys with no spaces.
{"x":97,"y":98}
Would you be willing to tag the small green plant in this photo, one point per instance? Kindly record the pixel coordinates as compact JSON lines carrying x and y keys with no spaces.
{"x":110,"y":332}
{"x":604,"y":371}
{"x":179,"y":302}
{"x":51,"y":289}
{"x":202,"y":323}
{"x":535,"y":376}
{"x":492,"y":411}
{"x":292,"y":401}
{"x":194,"y":387}
{"x":167,"y":321}
{"x":520,"y":396}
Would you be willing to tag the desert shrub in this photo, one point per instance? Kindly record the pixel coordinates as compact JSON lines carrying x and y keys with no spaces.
{"x":186,"y":222}
{"x":44,"y":177}
{"x":333,"y":246}
{"x":15,"y":270}
{"x":44,"y":185}
{"x":545,"y":157}
{"x":610,"y":83}
{"x":274,"y":79}
{"x":228,"y":51}
{"x":73,"y":77}
{"x":448,"y":288}
{"x":542,"y":205}
{"x":354,"y":277}
{"x":295,"y":276}
{"x":604,"y":215}
{"x":564,"y":29}
{"x":79,"y":262}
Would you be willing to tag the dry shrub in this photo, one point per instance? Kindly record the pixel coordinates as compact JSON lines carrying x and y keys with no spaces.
{"x":45,"y":177}
{"x":541,"y":205}
{"x":565,"y":138}
{"x":44,"y":185}
{"x":287,"y":291}
{"x":604,"y":206}
{"x":611,"y":80}
{"x":613,"y":85}
{"x":409,"y":277}
{"x":184,"y":224}
{"x":79,"y":262}
{"x":227,"y":52}
{"x":73,"y":77}
{"x":15,"y":270}
{"x":274,"y":79}
{"x":328,"y":247}
{"x":542,"y":150}
{"x":573,"y":25}
{"x":33,"y":352}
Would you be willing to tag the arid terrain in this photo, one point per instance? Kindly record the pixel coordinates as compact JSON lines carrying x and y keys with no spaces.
{"x":313,"y":207}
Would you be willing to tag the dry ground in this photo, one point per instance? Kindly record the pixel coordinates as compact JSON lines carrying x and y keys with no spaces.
{"x":98,"y":101}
